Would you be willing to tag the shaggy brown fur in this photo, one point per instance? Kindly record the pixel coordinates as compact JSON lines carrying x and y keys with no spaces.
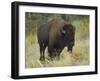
{"x":55,"y":34}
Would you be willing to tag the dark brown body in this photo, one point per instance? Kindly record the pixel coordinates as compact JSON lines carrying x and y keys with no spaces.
{"x":55,"y":35}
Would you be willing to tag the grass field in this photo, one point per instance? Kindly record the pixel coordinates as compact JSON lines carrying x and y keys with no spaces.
{"x":79,"y":57}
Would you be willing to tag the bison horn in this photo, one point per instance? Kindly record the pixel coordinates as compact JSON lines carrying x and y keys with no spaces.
{"x":63,"y":31}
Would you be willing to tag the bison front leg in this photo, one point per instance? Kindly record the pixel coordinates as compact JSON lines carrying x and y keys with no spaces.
{"x":70,"y":46}
{"x":51,"y":53}
{"x":69,"y":49}
{"x":58,"y":53}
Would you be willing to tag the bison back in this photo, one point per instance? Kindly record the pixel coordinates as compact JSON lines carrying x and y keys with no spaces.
{"x":43,"y":33}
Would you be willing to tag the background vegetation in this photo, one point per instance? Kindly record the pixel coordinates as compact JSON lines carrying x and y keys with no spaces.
{"x":80,"y":55}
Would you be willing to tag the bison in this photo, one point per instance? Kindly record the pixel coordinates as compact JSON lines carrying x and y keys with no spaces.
{"x":55,"y":34}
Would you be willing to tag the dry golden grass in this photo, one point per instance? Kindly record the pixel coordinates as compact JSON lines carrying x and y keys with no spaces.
{"x":80,"y":55}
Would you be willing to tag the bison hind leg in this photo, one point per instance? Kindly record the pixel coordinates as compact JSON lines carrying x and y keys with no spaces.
{"x":42,"y":51}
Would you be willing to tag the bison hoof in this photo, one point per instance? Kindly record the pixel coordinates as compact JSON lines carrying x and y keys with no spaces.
{"x":70,"y":52}
{"x":50,"y":58}
{"x":58,"y":57}
{"x":42,"y":59}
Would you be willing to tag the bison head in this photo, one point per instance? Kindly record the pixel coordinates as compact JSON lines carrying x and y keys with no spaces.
{"x":68,"y":34}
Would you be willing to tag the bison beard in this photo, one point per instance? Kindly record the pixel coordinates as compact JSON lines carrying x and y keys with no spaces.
{"x":55,"y":35}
